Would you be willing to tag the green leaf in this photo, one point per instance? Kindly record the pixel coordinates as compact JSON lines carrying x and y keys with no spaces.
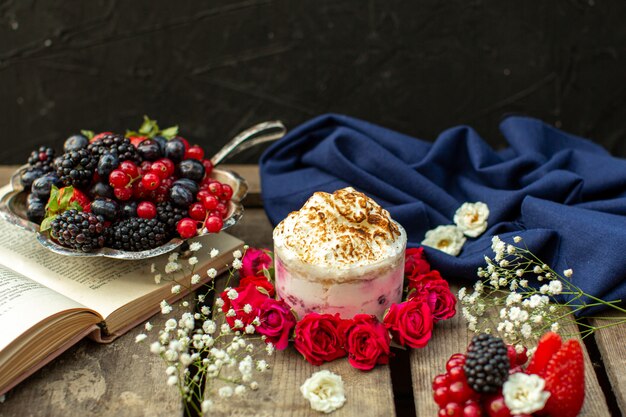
{"x":76,"y":206}
{"x":263,"y":291}
{"x":89,"y":134}
{"x":68,"y":193}
{"x":149,"y":127}
{"x":170,"y":132}
{"x":130,"y":133}
{"x":46,"y":223}
{"x":53,"y":201}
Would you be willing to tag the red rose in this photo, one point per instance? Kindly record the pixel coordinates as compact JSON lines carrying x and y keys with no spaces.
{"x":321,"y":337}
{"x":255,"y":261}
{"x":417,"y":279}
{"x":410,"y":323}
{"x":277,"y":322}
{"x":259,"y":281}
{"x":367,"y":341}
{"x":440,"y":299}
{"x":245,"y":295}
{"x":414,"y":262}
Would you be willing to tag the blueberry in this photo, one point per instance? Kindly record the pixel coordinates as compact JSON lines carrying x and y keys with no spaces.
{"x":192,"y":169}
{"x":105,"y":207}
{"x":36,"y":210}
{"x":175,"y":150}
{"x":129,"y":209}
{"x":188,"y":184}
{"x":75,"y":142}
{"x":41,"y":186}
{"x":32,"y":198}
{"x":107,"y":163}
{"x":149,"y":150}
{"x":28,"y":177}
{"x":101,"y":189}
{"x":162,"y":142}
{"x":181,"y":196}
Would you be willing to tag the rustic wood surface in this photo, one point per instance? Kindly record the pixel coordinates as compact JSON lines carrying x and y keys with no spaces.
{"x":124,"y":379}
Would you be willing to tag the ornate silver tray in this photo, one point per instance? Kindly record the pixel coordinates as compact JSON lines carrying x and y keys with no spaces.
{"x":13,"y":204}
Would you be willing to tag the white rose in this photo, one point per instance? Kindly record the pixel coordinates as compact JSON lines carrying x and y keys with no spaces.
{"x":524,"y":394}
{"x":448,"y":239}
{"x":324,"y":390}
{"x":471,"y":218}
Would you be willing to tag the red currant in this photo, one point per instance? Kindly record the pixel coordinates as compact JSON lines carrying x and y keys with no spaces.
{"x":210,"y":202}
{"x":227,"y":192}
{"x":223,"y":209}
{"x":441,"y":396}
{"x":215,"y":188}
{"x":472,"y":409}
{"x":460,"y":392}
{"x":145,"y":167}
{"x":202,"y":194}
{"x":194,"y":152}
{"x":146,"y":210}
{"x":457,"y":374}
{"x":118,"y":179}
{"x":208,"y":166}
{"x":187,"y":228}
{"x":129,"y":168}
{"x":160,"y":169}
{"x":453,"y":410}
{"x":496,"y":407}
{"x":442,"y":413}
{"x":453,"y":362}
{"x":197,"y":211}
{"x":213,"y":224}
{"x":169,"y":164}
{"x":441,"y":381}
{"x":123,"y":193}
{"x":151,"y":181}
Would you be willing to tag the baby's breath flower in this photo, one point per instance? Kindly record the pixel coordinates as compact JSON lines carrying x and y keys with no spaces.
{"x":517,"y":239}
{"x":537,"y":269}
{"x":247,"y":308}
{"x":172,"y":267}
{"x":201,"y":298}
{"x":554,"y":327}
{"x":254,"y":385}
{"x":193,"y":260}
{"x":155,"y":347}
{"x":214,"y":253}
{"x":237,"y":254}
{"x":176,"y":289}
{"x":157,"y":279}
{"x":249,"y":329}
{"x":140,"y":337}
{"x":165,"y":307}
{"x":237,"y":264}
{"x":206,"y":406}
{"x":205,"y":310}
{"x":148,"y":326}
{"x":231,"y":312}
{"x":269,"y":348}
{"x":211,"y":272}
{"x":568,"y":273}
{"x":225,"y":392}
{"x":232,"y":294}
{"x":195,"y":246}
{"x":172,"y":257}
{"x":240,"y":390}
{"x":555,"y":287}
{"x":195,"y":278}
{"x":519,"y":272}
{"x":219,"y":303}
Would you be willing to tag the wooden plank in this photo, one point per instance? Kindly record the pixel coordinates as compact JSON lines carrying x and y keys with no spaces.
{"x":452,"y":336}
{"x":367,"y":393}
{"x":611,"y":342}
{"x":121,"y":378}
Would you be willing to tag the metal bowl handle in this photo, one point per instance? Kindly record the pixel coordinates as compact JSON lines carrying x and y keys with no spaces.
{"x":263,"y":132}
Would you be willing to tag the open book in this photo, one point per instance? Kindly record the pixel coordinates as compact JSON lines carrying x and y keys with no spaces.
{"x":48,"y":302}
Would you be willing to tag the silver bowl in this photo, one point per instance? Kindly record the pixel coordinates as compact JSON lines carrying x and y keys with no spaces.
{"x":13,"y":209}
{"x":13,"y":204}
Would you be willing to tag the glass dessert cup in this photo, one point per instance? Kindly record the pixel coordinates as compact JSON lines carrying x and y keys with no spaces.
{"x":345,"y":289}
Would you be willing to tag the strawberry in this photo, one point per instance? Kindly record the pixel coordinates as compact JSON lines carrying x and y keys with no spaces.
{"x":136,"y":140}
{"x":565,"y":381}
{"x":548,"y":345}
{"x":99,"y":136}
{"x":77,"y":196}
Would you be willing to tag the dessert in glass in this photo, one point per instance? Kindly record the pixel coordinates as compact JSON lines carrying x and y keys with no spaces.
{"x":340,"y":253}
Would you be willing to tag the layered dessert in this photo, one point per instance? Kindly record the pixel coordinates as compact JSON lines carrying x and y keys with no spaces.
{"x":340,"y":253}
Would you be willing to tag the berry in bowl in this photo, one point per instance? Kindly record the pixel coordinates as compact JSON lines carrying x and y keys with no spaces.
{"x":129,"y":196}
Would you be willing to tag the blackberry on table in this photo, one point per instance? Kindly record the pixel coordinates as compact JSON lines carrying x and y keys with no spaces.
{"x":42,"y":159}
{"x":76,"y":168}
{"x":487,"y":363}
{"x":114,"y":144}
{"x":78,"y":230}
{"x":170,"y":215}
{"x":136,"y":234}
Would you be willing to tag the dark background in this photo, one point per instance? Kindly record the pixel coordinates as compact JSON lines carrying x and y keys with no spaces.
{"x":216,"y":67}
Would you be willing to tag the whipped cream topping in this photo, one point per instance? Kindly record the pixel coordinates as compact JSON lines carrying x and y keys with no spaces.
{"x":345,"y":228}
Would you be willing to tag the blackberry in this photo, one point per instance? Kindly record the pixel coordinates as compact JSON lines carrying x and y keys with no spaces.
{"x":42,"y":159}
{"x":136,"y":234}
{"x":76,"y":168}
{"x":487,"y":363}
{"x":114,"y":144}
{"x":78,"y":230}
{"x":170,"y":215}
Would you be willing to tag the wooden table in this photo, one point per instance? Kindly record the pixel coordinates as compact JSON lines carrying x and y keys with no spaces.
{"x":123,"y":378}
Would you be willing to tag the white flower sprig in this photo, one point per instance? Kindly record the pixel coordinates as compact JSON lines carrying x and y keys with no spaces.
{"x":524,"y":289}
{"x":204,"y":358}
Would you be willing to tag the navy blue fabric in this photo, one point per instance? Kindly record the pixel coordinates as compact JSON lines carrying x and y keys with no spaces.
{"x":563,"y":194}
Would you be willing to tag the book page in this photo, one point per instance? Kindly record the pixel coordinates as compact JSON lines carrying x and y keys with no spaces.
{"x":102,"y":284}
{"x":24,"y":303}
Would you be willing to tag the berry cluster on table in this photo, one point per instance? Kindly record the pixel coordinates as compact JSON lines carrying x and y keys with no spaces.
{"x":133,"y":191}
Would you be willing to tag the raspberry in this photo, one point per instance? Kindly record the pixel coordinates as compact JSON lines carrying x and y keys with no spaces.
{"x":487,"y":363}
{"x":78,"y":230}
{"x":136,"y":234}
